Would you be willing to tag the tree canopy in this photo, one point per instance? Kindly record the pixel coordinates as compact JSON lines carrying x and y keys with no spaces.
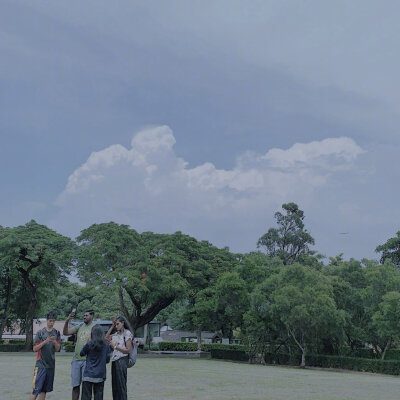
{"x":390,"y":250}
{"x":40,"y":257}
{"x":290,"y":240}
{"x":148,"y":271}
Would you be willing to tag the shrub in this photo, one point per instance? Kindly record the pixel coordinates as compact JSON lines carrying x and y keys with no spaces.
{"x":229,"y":354}
{"x":391,"y":367}
{"x":190,"y":346}
{"x":11,"y":347}
{"x":363,"y":353}
{"x":177,"y":346}
{"x":393,"y":354}
{"x":69,"y":347}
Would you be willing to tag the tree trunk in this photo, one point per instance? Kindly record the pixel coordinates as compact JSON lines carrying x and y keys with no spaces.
{"x":198,"y":334}
{"x":388,"y":344}
{"x":6,"y":308}
{"x":303,"y":358}
{"x":30,"y":314}
{"x":302,"y":347}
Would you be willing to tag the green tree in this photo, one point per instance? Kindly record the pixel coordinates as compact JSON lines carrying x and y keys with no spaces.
{"x":290,"y":241}
{"x":348,"y":279}
{"x":7,"y":285}
{"x":299,"y":302}
{"x":41,"y":257}
{"x":380,"y":279}
{"x":386,"y":320}
{"x":148,"y":271}
{"x":390,"y":250}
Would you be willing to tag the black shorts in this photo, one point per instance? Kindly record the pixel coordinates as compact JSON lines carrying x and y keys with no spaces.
{"x":43,"y":379}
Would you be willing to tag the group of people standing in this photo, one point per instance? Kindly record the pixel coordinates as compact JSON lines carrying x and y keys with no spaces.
{"x":93,"y":350}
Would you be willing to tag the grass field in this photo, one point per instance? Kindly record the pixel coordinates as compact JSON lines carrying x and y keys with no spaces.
{"x":172,"y":378}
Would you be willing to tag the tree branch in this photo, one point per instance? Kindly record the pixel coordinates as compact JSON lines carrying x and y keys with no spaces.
{"x":153,"y":310}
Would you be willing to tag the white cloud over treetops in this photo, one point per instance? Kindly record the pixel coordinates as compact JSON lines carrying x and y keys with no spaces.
{"x":150,"y":188}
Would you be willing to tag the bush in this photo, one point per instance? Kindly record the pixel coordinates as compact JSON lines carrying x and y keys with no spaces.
{"x":220,"y":346}
{"x":177,"y":346}
{"x":190,"y":346}
{"x":364,"y":353}
{"x":229,"y":354}
{"x":393,"y":354}
{"x":11,"y":347}
{"x":69,"y":347}
{"x":391,"y":367}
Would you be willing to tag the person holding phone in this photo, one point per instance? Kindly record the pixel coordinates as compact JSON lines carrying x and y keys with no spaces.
{"x":121,"y":343}
{"x":47,"y":342}
{"x":82,"y":336}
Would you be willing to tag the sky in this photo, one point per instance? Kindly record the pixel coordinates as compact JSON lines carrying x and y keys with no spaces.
{"x":203,"y":117}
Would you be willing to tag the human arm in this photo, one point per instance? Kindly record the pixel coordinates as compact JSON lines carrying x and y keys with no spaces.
{"x":39,"y":343}
{"x":109,"y":352}
{"x":85,"y":350}
{"x":127,"y":342}
{"x":69,"y":331}
{"x":57,"y":341}
{"x":108,"y":334}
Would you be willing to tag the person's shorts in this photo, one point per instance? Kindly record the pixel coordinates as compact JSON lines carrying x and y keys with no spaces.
{"x":43,"y":379}
{"x":77,"y":368}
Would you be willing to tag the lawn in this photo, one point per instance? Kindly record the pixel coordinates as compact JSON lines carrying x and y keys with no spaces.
{"x":172,"y":378}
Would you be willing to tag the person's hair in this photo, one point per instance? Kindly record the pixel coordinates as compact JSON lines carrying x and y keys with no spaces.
{"x":125,"y":322}
{"x":97,"y":337}
{"x":51,"y":315}
{"x":90,"y":311}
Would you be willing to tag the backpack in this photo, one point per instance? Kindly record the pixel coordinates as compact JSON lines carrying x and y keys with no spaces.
{"x":132,"y":354}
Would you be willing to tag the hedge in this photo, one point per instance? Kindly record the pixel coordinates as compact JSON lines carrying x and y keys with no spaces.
{"x":177,"y":346}
{"x":11,"y":347}
{"x":190,"y":346}
{"x":230,"y":354}
{"x":69,"y":347}
{"x":390,"y":367}
{"x":393,"y":354}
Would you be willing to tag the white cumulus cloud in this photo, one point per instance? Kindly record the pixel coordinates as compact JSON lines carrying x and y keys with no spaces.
{"x":150,"y":188}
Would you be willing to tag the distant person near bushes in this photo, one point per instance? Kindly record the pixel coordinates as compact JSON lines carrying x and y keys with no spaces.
{"x":78,"y":362}
{"x":97,"y":352}
{"x":121,"y":342}
{"x":47,"y":342}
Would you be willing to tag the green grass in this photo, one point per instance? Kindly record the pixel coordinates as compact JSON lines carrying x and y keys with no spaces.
{"x":187,"y":379}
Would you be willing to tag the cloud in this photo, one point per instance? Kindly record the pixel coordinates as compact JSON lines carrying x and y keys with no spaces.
{"x":150,"y":188}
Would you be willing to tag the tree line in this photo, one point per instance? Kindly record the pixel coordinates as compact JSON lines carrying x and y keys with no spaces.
{"x":282,"y":296}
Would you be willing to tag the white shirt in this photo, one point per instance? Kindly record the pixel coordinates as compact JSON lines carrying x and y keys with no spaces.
{"x":118,"y":338}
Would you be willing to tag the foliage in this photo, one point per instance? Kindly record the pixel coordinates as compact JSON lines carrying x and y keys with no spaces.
{"x":41,"y":257}
{"x":148,"y":271}
{"x":290,"y":240}
{"x":386,"y":320}
{"x":328,"y":361}
{"x":191,"y":346}
{"x":296,"y":303}
{"x":11,"y":347}
{"x":348,"y":279}
{"x":230,"y":354}
{"x":390,"y":250}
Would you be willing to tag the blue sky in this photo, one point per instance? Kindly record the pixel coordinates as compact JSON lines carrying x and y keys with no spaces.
{"x":203,"y":116}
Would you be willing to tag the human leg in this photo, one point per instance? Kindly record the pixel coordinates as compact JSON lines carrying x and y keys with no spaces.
{"x":38,"y":382}
{"x":98,"y":390}
{"x":77,"y":368}
{"x":119,"y":371}
{"x":76,"y":391}
{"x":87,"y":390}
